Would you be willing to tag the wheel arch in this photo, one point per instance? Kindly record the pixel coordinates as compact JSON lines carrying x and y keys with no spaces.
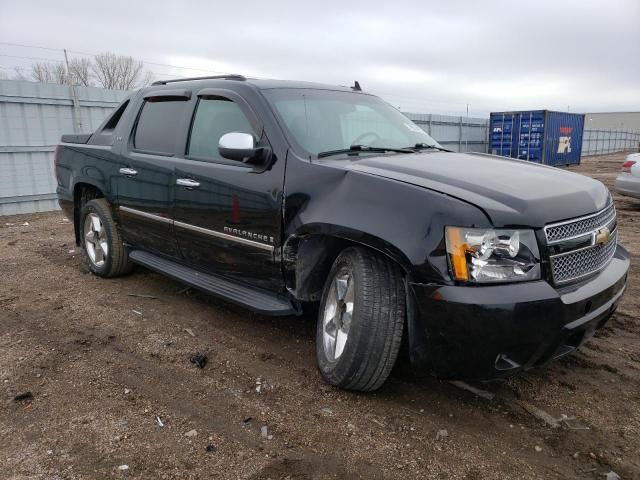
{"x":83,"y":191}
{"x":309,"y":254}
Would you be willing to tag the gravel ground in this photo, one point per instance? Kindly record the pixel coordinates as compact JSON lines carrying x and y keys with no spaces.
{"x":103,"y":365}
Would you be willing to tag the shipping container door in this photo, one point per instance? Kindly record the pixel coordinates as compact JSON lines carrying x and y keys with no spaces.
{"x":502,"y":134}
{"x":530,"y":137}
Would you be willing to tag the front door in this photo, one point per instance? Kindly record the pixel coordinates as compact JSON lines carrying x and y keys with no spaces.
{"x":146,"y":174}
{"x":227,"y":214}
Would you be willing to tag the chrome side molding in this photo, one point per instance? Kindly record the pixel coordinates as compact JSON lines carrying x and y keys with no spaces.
{"x":195,"y":228}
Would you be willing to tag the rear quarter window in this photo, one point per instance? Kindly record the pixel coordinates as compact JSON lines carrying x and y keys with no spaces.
{"x":158,"y":126}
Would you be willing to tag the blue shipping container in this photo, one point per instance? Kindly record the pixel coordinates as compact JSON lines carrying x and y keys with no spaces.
{"x":542,"y":136}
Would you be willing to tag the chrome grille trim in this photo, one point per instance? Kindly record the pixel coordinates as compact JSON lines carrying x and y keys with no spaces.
{"x":570,"y":266}
{"x":580,"y":227}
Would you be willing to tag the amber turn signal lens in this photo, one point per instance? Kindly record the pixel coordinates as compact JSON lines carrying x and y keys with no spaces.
{"x":457,"y":250}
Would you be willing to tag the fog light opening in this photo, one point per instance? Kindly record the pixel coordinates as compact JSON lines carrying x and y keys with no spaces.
{"x":574,"y":340}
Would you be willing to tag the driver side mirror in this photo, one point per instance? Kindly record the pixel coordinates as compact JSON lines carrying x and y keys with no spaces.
{"x":241,"y":147}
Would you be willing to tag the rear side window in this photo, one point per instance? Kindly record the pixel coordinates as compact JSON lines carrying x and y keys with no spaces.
{"x":158,"y":126}
{"x":115,"y":117}
{"x":215,"y":117}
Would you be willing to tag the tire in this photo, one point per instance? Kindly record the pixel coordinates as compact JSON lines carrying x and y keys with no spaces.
{"x":366,"y":334}
{"x":98,"y":232}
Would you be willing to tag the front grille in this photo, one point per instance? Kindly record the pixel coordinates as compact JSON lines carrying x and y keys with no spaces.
{"x":582,"y":226}
{"x":569,"y":266}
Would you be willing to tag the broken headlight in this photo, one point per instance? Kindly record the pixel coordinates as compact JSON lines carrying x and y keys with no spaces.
{"x":486,"y":256}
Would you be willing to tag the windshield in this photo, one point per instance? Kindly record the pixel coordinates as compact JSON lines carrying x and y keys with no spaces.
{"x":327,"y":120}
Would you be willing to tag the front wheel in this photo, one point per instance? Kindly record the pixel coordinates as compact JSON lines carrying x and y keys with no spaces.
{"x":360,"y":320}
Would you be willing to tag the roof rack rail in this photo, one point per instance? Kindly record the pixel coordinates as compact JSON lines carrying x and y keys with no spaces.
{"x":232,"y":76}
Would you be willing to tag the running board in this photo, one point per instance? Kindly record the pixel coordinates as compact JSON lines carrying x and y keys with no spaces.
{"x":256,"y":300}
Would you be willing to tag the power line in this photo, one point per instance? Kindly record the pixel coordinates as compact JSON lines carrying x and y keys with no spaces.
{"x":94,"y":54}
{"x":31,"y":46}
{"x":51,"y":60}
{"x":424,"y":101}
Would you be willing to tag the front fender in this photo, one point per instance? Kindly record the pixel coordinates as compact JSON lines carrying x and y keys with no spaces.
{"x":403,"y":221}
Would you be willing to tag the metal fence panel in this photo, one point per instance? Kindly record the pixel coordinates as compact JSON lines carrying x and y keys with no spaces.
{"x":601,"y":142}
{"x":460,"y":134}
{"x":33,"y":116}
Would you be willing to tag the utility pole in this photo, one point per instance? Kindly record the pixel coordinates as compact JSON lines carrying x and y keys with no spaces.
{"x":466,"y":137}
{"x":77,"y":120}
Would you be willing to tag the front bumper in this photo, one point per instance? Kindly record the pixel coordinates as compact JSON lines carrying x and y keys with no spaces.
{"x":486,"y":332}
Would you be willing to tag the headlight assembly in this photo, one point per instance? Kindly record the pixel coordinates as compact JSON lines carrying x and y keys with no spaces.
{"x":486,"y":255}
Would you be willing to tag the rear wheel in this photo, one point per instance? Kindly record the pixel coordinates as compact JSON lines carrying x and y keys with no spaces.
{"x":360,"y":320}
{"x":106,"y":254}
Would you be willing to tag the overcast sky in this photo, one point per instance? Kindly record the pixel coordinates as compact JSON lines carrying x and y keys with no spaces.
{"x":421,"y":56}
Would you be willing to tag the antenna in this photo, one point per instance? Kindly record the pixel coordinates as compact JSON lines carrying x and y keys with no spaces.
{"x":356,"y":86}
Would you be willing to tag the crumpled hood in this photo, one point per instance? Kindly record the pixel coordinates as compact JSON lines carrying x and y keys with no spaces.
{"x":511,"y":192}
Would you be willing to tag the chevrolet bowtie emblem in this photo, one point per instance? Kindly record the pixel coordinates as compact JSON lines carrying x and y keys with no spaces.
{"x":602,"y":236}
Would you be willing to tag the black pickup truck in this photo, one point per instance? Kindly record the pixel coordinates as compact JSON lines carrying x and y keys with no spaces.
{"x":275,"y":194}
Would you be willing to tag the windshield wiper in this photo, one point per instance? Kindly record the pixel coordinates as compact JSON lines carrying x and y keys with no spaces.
{"x":355,"y":149}
{"x":428,"y":146}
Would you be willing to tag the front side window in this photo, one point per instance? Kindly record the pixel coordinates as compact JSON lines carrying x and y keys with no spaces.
{"x":214,"y":118}
{"x":158,"y":126}
{"x":326,"y":120}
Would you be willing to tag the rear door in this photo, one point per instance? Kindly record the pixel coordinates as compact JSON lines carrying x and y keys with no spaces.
{"x":145,"y":174}
{"x":227,"y":213}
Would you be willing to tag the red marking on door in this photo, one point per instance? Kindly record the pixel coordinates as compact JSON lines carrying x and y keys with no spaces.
{"x":235,"y":211}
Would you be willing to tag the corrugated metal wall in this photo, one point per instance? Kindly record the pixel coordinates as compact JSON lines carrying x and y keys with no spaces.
{"x":460,"y":134}
{"x":33,"y":116}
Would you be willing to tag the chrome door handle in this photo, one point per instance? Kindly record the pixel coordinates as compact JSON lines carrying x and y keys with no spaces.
{"x":187,"y":182}
{"x":128,"y":171}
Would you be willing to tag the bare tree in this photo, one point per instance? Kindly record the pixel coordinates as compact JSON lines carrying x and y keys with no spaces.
{"x":117,"y":71}
{"x":19,"y":74}
{"x":80,"y":71}
{"x":48,"y":73}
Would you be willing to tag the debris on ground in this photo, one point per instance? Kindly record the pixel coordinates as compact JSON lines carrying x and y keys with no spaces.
{"x":470,"y":388}
{"x":71,"y":252}
{"x":327,"y":411}
{"x":264,"y":432}
{"x":571,"y":423}
{"x":247,"y":420}
{"x":190,"y":332}
{"x":199,"y":359}
{"x":159,"y":422}
{"x":540,"y":414}
{"x":25,"y":224}
{"x":442,"y":434}
{"x":612,"y":476}
{"x":538,"y":448}
{"x":136,"y":312}
{"x":140,"y":295}
{"x":191,"y":433}
{"x":124,"y":468}
{"x":211,"y":448}
{"x":127,"y":391}
{"x":26,"y":396}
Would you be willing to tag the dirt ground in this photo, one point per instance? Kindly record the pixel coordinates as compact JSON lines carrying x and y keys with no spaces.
{"x":103,"y":365}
